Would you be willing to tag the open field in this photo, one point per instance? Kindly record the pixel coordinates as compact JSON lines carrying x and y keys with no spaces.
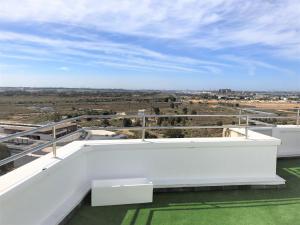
{"x":271,"y":105}
{"x":39,"y":108}
{"x":43,"y":107}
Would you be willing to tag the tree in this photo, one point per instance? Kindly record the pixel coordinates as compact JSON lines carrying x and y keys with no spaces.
{"x":159,"y":121}
{"x":174,"y":134}
{"x":56,"y":117}
{"x":172,"y":121}
{"x":138,"y":123}
{"x":185,"y":110}
{"x":105,"y":123}
{"x":110,"y":112}
{"x":156,"y":110}
{"x":172,"y":105}
{"x":219,"y":123}
{"x":178,"y":120}
{"x":172,"y":98}
{"x":150,"y":135}
{"x":127,"y":122}
{"x":194,"y":112}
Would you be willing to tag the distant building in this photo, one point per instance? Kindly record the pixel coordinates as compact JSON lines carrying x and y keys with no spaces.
{"x":141,"y":112}
{"x":225,"y":91}
{"x":45,"y":134}
{"x":103,"y":135}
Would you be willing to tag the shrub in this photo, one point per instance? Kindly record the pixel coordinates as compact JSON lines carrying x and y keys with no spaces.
{"x":174,"y":134}
{"x":185,"y":110}
{"x":127,"y":122}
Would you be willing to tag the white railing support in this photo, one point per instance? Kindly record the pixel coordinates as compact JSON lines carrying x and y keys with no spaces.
{"x":247,"y":125}
{"x":298,"y":117}
{"x":54,"y":141}
{"x":144,"y":127}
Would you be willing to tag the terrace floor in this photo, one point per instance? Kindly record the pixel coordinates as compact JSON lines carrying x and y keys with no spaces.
{"x":222,"y":207}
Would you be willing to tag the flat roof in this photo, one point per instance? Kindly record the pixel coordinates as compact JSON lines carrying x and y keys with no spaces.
{"x":222,"y":207}
{"x":26,"y":128}
{"x":102,"y":132}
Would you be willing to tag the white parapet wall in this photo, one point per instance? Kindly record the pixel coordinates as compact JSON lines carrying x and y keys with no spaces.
{"x":47,"y":189}
{"x":187,"y":162}
{"x":289,"y":136}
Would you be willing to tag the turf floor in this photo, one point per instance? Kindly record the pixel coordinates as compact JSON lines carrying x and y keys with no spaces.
{"x":226,"y":207}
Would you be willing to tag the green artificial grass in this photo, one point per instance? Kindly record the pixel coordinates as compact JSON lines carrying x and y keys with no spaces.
{"x":228,"y":207}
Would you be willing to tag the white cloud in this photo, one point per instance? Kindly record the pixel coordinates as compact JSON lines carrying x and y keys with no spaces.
{"x":144,"y":17}
{"x":209,"y":24}
{"x":251,"y":65}
{"x":64,"y":68}
{"x":97,"y":51}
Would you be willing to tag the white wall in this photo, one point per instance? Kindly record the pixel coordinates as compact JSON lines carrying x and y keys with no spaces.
{"x":185,"y":164}
{"x":289,"y":136}
{"x":47,"y":196}
{"x":30,"y":195}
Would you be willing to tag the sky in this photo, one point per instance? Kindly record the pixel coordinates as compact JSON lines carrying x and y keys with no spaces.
{"x":151,"y":44}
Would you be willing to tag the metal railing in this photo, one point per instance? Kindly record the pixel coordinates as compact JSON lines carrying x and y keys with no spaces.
{"x":298,"y":117}
{"x":144,"y":117}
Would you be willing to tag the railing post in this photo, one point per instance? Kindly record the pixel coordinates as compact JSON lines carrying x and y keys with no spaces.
{"x":141,"y":113}
{"x":298,"y":117}
{"x":54,"y":140}
{"x":247,"y":124}
{"x":240,"y":113}
{"x":144,"y":129}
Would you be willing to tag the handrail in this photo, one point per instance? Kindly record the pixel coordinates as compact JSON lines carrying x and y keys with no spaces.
{"x":166,"y":127}
{"x":24,"y":133}
{"x":246,"y":117}
{"x":50,"y":125}
{"x":35,"y":149}
{"x":42,"y":146}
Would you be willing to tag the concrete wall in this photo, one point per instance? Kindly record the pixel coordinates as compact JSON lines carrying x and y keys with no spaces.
{"x":44,"y":196}
{"x":185,"y":164}
{"x":289,"y":136}
{"x":47,"y":189}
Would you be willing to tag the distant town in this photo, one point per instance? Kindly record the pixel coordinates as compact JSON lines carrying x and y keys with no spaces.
{"x":227,"y":94}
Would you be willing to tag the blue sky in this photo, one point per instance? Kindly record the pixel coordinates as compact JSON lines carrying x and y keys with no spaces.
{"x":148,"y":44}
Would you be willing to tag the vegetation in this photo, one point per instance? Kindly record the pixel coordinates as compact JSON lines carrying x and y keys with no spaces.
{"x":156,"y":110}
{"x":174,"y":133}
{"x":51,"y":105}
{"x":127,"y":122}
{"x":185,"y":110}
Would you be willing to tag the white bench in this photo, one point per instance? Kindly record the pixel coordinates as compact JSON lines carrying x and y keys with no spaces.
{"x":121,"y":191}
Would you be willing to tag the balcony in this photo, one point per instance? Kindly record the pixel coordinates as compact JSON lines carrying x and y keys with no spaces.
{"x":220,"y":206}
{"x":47,"y":190}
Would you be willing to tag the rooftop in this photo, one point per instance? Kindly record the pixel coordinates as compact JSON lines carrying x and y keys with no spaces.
{"x":221,"y":207}
{"x":239,"y":178}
